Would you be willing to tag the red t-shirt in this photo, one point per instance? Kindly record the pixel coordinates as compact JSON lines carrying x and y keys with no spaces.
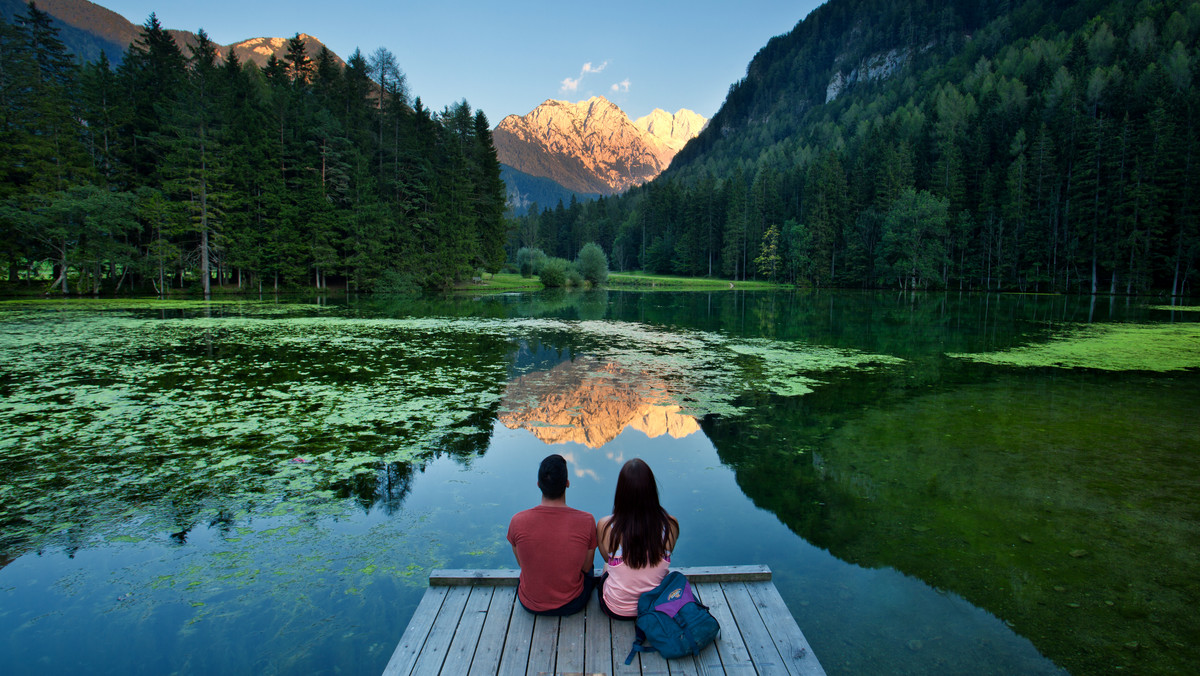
{"x":551,"y":543}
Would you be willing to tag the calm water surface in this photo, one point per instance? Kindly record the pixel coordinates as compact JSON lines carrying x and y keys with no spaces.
{"x":264,"y":487}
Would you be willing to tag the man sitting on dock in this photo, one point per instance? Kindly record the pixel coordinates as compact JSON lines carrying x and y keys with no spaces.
{"x":555,"y":546}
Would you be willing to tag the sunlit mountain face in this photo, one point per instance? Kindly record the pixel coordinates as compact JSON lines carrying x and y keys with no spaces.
{"x":590,"y":401}
{"x":592,"y":147}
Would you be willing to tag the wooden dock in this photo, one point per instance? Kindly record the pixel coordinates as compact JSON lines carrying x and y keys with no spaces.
{"x":469,"y":622}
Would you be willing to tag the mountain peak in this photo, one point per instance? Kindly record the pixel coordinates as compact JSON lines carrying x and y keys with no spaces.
{"x":592,"y":146}
{"x":673,"y":130}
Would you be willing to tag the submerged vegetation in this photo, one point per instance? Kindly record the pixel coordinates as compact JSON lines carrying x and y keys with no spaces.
{"x":1111,"y":347}
{"x":1060,"y":504}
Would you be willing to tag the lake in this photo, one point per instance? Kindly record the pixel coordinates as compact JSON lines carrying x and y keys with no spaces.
{"x":941,"y":483}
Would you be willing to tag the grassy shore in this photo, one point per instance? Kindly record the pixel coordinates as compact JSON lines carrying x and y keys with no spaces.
{"x":646,"y":282}
{"x":635,"y":281}
{"x":499,"y":283}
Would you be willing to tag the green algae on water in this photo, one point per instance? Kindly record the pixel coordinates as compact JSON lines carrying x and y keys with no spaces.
{"x":111,"y":411}
{"x":1108,"y":347}
{"x":783,"y":366}
{"x":1176,"y":308}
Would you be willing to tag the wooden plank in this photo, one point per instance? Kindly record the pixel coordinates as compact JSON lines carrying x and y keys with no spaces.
{"x":405,"y":655}
{"x":728,"y":654}
{"x":509,"y":576}
{"x":499,"y":577}
{"x":754,"y":573}
{"x":544,"y":648}
{"x":653,"y":664}
{"x":515,"y":658}
{"x":598,"y":653}
{"x":789,"y":640}
{"x":754,"y":632}
{"x":433,"y":653}
{"x":683,"y":666}
{"x":491,"y":638}
{"x":466,"y":636}
{"x":571,"y":640}
{"x":622,"y":641}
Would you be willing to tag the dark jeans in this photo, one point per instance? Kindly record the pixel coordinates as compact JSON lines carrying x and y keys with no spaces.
{"x":604,"y":606}
{"x":572,"y":607}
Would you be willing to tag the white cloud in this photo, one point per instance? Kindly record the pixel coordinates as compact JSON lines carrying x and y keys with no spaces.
{"x":571,"y":84}
{"x":622,"y":86}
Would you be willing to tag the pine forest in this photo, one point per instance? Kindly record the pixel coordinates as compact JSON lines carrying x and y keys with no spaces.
{"x":182,"y":169}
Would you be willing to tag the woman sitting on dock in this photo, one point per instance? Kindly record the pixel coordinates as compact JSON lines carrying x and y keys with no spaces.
{"x":635,"y":541}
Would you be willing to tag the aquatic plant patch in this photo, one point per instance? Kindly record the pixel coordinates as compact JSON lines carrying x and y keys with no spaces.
{"x":1109,"y":347}
{"x":109,"y":415}
{"x":117,"y":423}
{"x":1176,"y":308}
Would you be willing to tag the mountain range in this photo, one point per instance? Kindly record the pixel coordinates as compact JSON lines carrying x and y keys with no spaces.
{"x":592,"y":147}
{"x":88,"y":29}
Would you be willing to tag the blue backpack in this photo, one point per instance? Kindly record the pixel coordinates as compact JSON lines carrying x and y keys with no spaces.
{"x":671,"y":620}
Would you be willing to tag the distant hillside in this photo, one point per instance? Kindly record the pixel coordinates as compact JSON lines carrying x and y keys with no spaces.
{"x":87,"y":29}
{"x":525,"y":191}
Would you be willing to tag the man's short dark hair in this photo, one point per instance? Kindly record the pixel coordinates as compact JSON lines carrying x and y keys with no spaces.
{"x":552,"y":476}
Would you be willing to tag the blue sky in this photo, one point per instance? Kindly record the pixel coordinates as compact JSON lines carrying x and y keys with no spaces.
{"x":508,"y":57}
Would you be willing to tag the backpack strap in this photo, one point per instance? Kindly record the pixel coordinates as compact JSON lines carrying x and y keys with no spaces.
{"x":639,"y":645}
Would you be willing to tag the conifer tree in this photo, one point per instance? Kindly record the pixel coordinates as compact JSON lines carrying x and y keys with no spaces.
{"x":153,"y":73}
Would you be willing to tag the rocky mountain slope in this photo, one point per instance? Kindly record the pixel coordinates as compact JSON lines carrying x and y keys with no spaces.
{"x":592,"y":146}
{"x":89,"y":29}
{"x":673,"y":130}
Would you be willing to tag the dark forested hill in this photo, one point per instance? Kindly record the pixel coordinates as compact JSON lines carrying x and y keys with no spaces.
{"x":86,"y":29}
{"x":1002,"y":144}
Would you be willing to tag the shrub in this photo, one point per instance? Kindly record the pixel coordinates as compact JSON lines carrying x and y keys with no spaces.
{"x":574,"y":277}
{"x":530,"y":261}
{"x":593,"y":264}
{"x":554,"y":273}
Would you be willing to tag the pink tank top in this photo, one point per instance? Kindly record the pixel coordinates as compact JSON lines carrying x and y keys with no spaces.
{"x":624,"y":584}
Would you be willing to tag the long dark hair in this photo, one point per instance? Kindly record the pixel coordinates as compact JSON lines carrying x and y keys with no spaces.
{"x":639,"y":525}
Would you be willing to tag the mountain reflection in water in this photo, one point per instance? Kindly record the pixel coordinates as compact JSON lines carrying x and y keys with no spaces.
{"x":590,"y":402}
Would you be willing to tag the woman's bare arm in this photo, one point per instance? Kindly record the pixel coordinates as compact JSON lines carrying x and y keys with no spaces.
{"x":602,"y":537}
